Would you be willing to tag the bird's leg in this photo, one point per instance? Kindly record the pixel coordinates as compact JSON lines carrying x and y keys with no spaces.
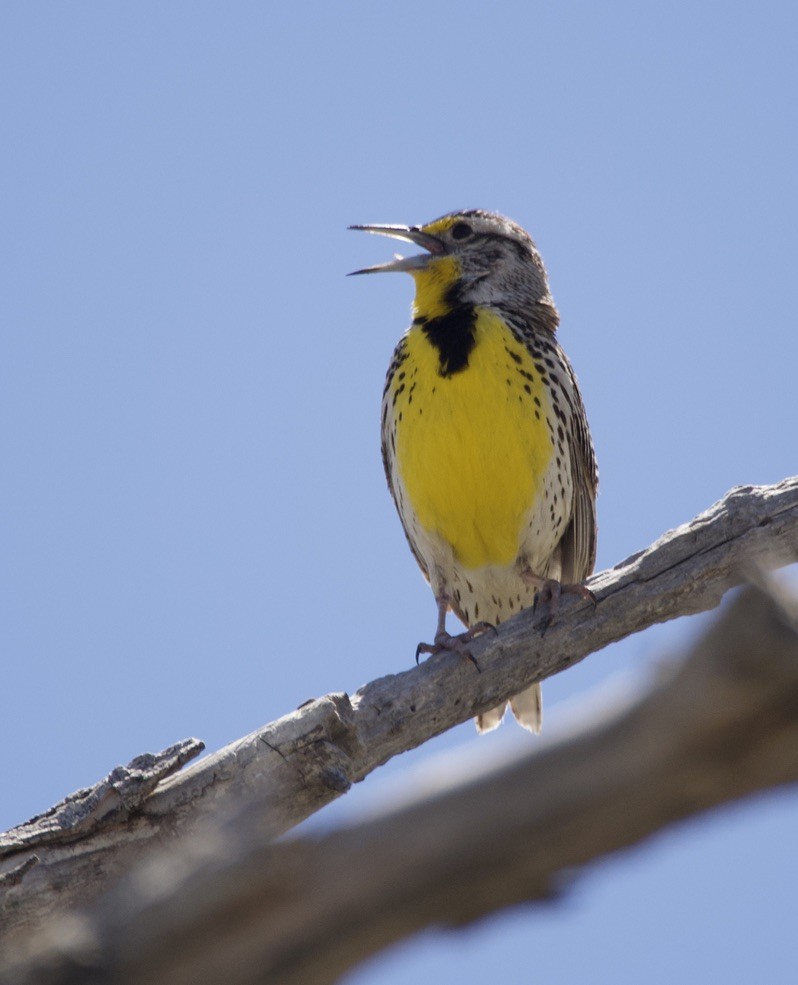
{"x":440,"y":630}
{"x":445,"y":641}
{"x":549,"y":591}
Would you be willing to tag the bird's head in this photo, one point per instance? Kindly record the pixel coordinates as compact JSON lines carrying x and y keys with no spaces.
{"x":471,"y":257}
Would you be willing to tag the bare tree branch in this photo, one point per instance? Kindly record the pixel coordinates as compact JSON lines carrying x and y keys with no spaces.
{"x":306,"y":759}
{"x":116,"y":797}
{"x":237,"y":908}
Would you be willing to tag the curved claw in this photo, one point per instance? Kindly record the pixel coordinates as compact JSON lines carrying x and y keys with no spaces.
{"x":550,"y":592}
{"x":455,"y":644}
{"x":425,"y":648}
{"x":470,"y":656}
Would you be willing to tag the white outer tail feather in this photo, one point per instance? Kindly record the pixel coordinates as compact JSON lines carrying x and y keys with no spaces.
{"x":527,"y":707}
{"x":489,"y":720}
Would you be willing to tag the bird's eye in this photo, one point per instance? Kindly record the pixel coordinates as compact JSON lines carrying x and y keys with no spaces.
{"x":461,"y":230}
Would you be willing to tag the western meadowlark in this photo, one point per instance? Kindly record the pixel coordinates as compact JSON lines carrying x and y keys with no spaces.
{"x":485,"y":440}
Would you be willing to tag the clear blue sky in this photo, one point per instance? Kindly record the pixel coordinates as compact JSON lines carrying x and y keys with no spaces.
{"x":197,"y":535}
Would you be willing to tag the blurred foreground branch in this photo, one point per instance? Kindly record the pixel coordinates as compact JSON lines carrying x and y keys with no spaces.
{"x":296,"y":765}
{"x":234,"y":906}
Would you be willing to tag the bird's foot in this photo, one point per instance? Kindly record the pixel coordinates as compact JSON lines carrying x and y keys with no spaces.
{"x":456,"y":644}
{"x":549,"y":594}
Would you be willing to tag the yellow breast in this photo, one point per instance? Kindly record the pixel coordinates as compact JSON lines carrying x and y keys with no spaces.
{"x":472,"y":447}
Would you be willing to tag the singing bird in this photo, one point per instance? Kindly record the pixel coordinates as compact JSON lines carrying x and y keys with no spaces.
{"x":485,"y":439}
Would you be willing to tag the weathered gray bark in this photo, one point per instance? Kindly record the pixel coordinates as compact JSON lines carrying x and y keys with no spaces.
{"x":302,"y":761}
{"x":233,"y":906}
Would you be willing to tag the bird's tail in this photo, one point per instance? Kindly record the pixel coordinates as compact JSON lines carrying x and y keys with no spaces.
{"x":526,"y":706}
{"x":489,"y":720}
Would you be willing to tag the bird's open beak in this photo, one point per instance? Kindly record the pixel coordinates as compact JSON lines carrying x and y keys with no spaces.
{"x":413,"y":235}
